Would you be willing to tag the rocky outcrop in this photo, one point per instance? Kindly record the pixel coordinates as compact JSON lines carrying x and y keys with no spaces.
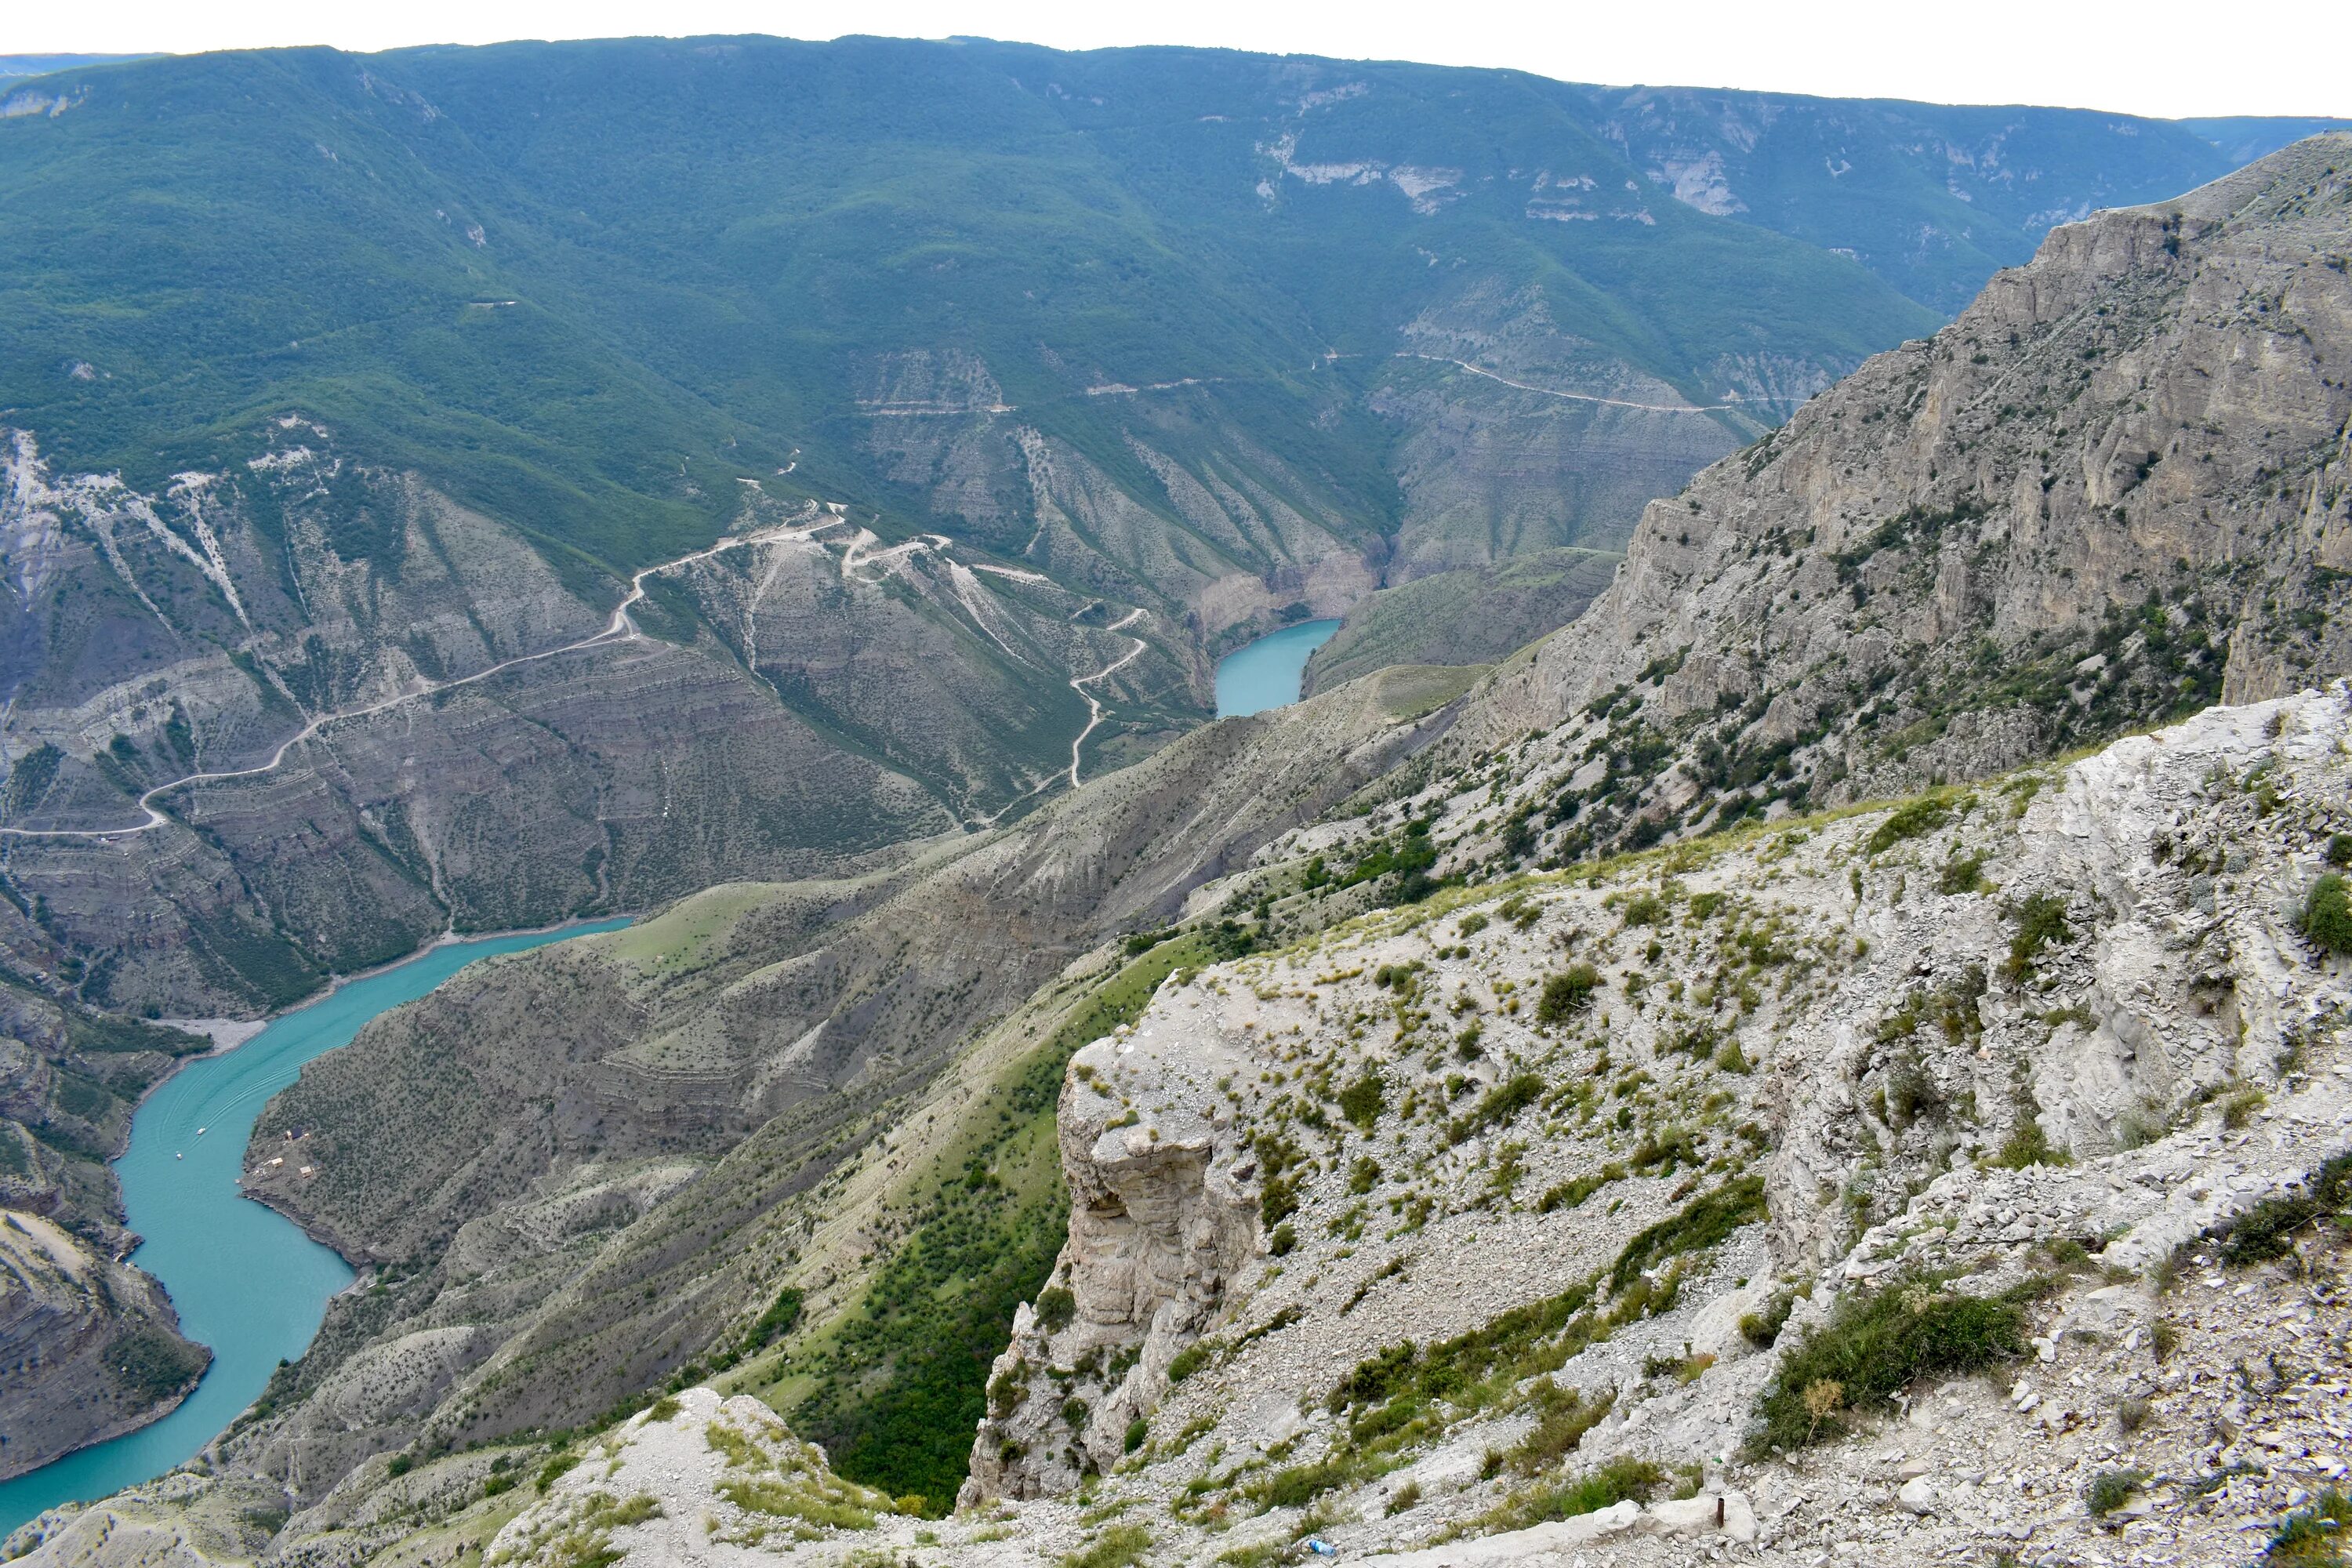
{"x":1163,"y":1214}
{"x":1603,"y":1133}
{"x":2112,"y":491}
{"x":90,"y":1346}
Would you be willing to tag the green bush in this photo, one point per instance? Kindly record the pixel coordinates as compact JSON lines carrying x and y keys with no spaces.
{"x":2314,"y":1537}
{"x":2327,"y":914}
{"x":1498,"y":1105}
{"x":1620,"y":1481}
{"x":1055,"y":1308}
{"x":1120,"y":1546}
{"x":2267,"y":1230}
{"x":1138,"y":1431}
{"x":1872,"y":1348}
{"x":1362,"y":1100}
{"x":1910,"y":822}
{"x":783,"y":1315}
{"x":1191,"y":1359}
{"x":1762,"y":1326}
{"x":2040,"y":920}
{"x":2110,"y":1489}
{"x":1705,"y":1220}
{"x":1961,"y":874}
{"x":1566,"y":996}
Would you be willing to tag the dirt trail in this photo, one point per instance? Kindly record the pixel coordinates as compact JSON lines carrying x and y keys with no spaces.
{"x":619,"y":629}
{"x":1094,"y":704}
{"x":1581,"y":396}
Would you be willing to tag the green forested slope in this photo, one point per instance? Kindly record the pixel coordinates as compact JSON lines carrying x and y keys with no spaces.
{"x":711,"y":247}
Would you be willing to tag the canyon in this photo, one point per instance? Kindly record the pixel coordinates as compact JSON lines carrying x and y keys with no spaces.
{"x":1441,"y":1117}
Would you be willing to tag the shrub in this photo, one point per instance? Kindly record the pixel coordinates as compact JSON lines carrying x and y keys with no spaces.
{"x":783,"y":1315}
{"x":2267,"y":1230}
{"x":1191,"y":1359}
{"x":1647,"y":910}
{"x":1120,"y":1546}
{"x":1876,"y":1346}
{"x":1566,"y":996}
{"x":2110,"y":1489}
{"x":1763,"y":1326}
{"x":1910,"y":822}
{"x":2028,"y":1144}
{"x":2339,"y":849}
{"x":2040,"y":920}
{"x":1704,"y":1221}
{"x":2327,"y":914}
{"x":1278,"y":1201}
{"x":1962,"y":874}
{"x":1302,"y":1484}
{"x":1570,"y":1193}
{"x":1362,"y":1100}
{"x":1284,"y":1242}
{"x":1055,"y":1308}
{"x":1563,"y":1416}
{"x":2312,"y":1537}
{"x":1137,"y":1430}
{"x":1499,"y":1104}
{"x":1620,"y":1481}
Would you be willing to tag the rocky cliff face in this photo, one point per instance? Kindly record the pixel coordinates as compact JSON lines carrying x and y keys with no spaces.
{"x":2114,"y":490}
{"x":1397,"y":1235}
{"x":311,"y":642}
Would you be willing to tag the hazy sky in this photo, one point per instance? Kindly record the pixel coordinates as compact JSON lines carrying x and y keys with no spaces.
{"x":2158,"y":57}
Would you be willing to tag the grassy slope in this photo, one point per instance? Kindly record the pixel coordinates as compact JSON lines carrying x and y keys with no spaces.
{"x":891,"y":1382}
{"x":1468,"y":617}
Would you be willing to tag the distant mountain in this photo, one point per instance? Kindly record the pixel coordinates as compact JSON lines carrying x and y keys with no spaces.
{"x":2246,"y":137}
{"x":345,"y":395}
{"x":42,"y":65}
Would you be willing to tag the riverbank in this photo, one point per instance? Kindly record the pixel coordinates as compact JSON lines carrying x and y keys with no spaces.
{"x":246,"y":1282}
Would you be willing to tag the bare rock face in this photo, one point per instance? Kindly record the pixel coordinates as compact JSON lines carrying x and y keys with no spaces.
{"x":90,"y":1346}
{"x":2114,"y":490}
{"x":1162,"y":1216}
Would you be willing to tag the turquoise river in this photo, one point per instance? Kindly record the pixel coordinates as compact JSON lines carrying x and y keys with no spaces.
{"x":246,"y":1280}
{"x":1269,"y":672}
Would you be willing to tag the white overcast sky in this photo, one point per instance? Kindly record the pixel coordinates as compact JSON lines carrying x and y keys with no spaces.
{"x":2157,"y":57}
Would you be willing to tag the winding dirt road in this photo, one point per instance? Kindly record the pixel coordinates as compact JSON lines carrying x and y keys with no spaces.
{"x":619,"y":629}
